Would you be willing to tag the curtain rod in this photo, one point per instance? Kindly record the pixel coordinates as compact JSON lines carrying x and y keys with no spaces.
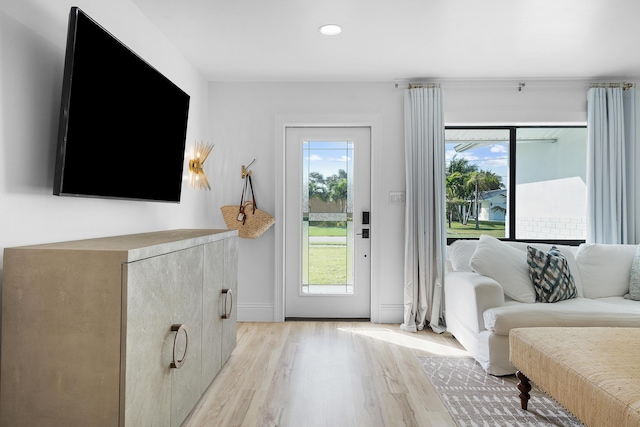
{"x":624,"y":86}
{"x":424,"y":85}
{"x":516,"y":84}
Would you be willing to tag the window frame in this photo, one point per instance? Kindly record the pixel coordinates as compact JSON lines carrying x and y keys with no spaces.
{"x":511,"y":205}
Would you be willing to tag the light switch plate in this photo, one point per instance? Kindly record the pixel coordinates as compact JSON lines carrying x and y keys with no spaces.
{"x":397,"y":197}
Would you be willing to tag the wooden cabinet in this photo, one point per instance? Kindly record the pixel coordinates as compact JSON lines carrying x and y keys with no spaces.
{"x":229,"y":331}
{"x":221,"y":276}
{"x":92,"y":328}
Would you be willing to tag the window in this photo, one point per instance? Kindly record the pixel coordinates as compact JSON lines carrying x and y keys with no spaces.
{"x":519,"y":183}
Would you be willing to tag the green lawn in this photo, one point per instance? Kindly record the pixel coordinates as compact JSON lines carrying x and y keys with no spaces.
{"x":316,"y":231}
{"x":327,"y":265}
{"x":495,"y":229}
{"x":327,"y":260}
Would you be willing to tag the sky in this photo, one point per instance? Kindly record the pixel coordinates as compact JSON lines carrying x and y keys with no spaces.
{"x":328,"y":157}
{"x":494,"y":158}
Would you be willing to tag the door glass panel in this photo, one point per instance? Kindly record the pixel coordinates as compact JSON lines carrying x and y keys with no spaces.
{"x":327,"y":218}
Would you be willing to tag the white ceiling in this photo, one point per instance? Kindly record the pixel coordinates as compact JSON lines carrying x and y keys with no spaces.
{"x":400,"y":40}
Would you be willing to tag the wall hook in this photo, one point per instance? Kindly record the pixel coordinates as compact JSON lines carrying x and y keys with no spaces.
{"x":245,"y":169}
{"x":520,"y":86}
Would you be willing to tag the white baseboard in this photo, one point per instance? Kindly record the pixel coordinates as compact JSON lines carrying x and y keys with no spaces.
{"x":255,"y":312}
{"x":391,"y":313}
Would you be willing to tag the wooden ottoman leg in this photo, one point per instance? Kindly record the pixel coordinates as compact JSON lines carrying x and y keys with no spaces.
{"x":525,"y":387}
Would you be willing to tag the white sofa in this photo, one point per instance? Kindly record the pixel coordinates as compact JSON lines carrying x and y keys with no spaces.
{"x":481,"y":309}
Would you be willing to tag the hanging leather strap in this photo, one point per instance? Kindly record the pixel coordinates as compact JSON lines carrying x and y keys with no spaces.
{"x":244,"y":190}
{"x":242,"y":216}
{"x":253,"y":196}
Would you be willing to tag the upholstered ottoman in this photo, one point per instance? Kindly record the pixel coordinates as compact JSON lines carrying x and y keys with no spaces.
{"x":593,"y":372}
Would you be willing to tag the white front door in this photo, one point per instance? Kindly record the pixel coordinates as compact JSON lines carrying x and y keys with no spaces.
{"x":327,"y":232}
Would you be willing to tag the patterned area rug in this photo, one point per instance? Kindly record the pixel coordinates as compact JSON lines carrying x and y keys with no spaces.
{"x":475,"y":398}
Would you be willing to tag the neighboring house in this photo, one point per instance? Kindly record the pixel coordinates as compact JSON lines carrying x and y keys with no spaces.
{"x":492,"y":205}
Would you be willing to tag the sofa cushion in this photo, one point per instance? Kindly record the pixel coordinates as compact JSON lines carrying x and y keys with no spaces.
{"x":505,"y":265}
{"x":569,"y":253}
{"x":550,"y":274}
{"x":627,"y":304}
{"x":460,"y":253}
{"x":571,"y":312}
{"x":605,"y":269}
{"x":634,"y":277}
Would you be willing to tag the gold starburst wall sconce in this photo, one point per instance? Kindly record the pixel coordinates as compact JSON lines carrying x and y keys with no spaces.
{"x":197,"y":177}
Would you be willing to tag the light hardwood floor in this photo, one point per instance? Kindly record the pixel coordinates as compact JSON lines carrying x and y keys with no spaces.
{"x":306,"y":374}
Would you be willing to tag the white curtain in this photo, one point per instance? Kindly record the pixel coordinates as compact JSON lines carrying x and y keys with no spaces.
{"x":425,"y":234}
{"x":611,"y":164}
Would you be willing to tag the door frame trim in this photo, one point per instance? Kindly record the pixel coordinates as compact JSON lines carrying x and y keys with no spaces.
{"x":283,"y":122}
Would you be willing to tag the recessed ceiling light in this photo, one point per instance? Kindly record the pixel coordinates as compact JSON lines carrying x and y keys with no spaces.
{"x":330,"y":29}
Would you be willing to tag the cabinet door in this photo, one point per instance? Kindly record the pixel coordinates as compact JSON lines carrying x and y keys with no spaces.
{"x":186,"y":383}
{"x":229,"y":334}
{"x":161,"y":292}
{"x":212,"y":320}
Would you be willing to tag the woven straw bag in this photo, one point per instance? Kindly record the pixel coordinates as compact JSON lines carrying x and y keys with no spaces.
{"x":250,"y":221}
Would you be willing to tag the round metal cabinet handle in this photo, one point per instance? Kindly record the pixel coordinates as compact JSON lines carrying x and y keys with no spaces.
{"x":177,"y":364}
{"x":228,"y":296}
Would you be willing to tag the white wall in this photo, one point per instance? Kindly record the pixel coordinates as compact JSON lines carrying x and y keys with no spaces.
{"x":32,"y":47}
{"x":243,"y":117}
{"x":239,"y":118}
{"x":567,"y":157}
{"x":562,"y":215}
{"x":500,"y":102}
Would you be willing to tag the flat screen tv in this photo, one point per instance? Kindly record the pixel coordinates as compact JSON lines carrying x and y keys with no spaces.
{"x":122,"y":123}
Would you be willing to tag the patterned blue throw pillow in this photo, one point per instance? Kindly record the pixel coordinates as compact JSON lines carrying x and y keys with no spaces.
{"x":549,"y":272}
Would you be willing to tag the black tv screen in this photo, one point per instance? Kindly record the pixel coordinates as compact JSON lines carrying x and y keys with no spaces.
{"x":122,"y":123}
